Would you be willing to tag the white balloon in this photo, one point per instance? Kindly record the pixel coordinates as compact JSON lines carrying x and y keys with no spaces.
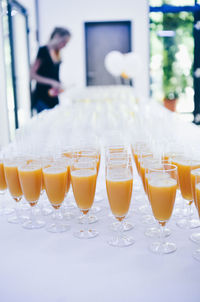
{"x":114,"y":62}
{"x":132,"y":64}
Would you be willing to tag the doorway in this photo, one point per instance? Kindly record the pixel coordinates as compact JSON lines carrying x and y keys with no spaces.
{"x":18,"y":29}
{"x":100,"y":39}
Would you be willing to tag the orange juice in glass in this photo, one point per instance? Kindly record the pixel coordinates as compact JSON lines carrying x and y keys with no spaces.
{"x":83,"y":179}
{"x":195,"y":177}
{"x":184,"y":168}
{"x":30,"y":176}
{"x":196,"y":236}
{"x":3,"y":185}
{"x":55,"y":181}
{"x":162,"y":193}
{"x":195,"y":180}
{"x":13,"y":183}
{"x":119,"y":184}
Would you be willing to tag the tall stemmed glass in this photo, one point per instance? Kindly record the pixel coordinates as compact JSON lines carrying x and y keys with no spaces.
{"x":83,"y":154}
{"x":162,"y":185}
{"x":13,"y":183}
{"x":30,"y":176}
{"x":115,"y":158}
{"x":119,"y":183}
{"x":146,"y":163}
{"x":195,"y":178}
{"x":184,"y":167}
{"x":55,"y":180}
{"x":196,"y":254}
{"x":83,"y":178}
{"x":3,"y":186}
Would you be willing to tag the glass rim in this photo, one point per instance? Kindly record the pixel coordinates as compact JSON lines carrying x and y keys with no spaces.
{"x":61,"y":167}
{"x":163,"y":168}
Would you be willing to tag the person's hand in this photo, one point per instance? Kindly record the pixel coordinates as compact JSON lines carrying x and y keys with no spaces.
{"x":56,"y":85}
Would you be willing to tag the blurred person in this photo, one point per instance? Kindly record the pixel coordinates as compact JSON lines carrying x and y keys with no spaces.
{"x":45,"y":71}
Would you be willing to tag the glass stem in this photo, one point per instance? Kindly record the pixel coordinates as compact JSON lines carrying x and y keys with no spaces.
{"x":120,"y":230}
{"x":32,"y":215}
{"x":85,"y":225}
{"x":162,"y":234}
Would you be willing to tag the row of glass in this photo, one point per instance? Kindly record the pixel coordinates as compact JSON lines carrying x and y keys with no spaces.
{"x":161,"y":178}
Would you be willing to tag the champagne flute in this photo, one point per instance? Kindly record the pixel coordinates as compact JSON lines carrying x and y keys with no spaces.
{"x":184,"y":167}
{"x":162,"y":185}
{"x":55,"y":181}
{"x":119,"y":183}
{"x":3,"y":186}
{"x":146,"y":163}
{"x":13,"y":183}
{"x":117,"y":159}
{"x":30,"y":176}
{"x":196,"y":254}
{"x":195,"y":178}
{"x":83,"y":178}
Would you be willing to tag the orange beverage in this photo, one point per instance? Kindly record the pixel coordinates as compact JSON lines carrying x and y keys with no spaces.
{"x":3,"y":185}
{"x":195,"y":177}
{"x":142,"y":174}
{"x":119,"y":190}
{"x":84,"y":186}
{"x":184,"y":167}
{"x":197,"y":187}
{"x":30,"y":177}
{"x":12,"y":179}
{"x":162,"y":193}
{"x":135,"y":156}
{"x":68,"y":179}
{"x":55,"y":180}
{"x":116,"y":149}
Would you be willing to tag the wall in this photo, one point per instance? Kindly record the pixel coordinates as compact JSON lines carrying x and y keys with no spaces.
{"x":4,"y":123}
{"x":31,"y":9}
{"x":73,"y":13}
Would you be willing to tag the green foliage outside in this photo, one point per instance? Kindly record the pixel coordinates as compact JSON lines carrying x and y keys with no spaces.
{"x":176,"y":69}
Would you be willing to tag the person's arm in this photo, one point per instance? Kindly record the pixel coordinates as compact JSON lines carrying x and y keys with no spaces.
{"x":40,"y":79}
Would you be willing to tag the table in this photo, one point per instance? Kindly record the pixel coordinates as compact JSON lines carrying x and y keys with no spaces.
{"x":37,"y":266}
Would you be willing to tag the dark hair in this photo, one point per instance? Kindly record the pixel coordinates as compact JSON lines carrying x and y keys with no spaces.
{"x":62,"y":32}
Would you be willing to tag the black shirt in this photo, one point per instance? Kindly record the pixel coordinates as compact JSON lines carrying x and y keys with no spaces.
{"x":48,"y":69}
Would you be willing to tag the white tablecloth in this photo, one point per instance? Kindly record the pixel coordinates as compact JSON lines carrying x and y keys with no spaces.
{"x":37,"y":266}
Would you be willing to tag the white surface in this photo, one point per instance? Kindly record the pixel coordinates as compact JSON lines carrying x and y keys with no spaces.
{"x":72,"y":14}
{"x":40,"y":266}
{"x":37,"y":266}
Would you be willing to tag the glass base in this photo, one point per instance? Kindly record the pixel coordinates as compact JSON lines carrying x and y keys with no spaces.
{"x":196,"y":255}
{"x":31,"y":225}
{"x":86,"y":234}
{"x":123,"y":241}
{"x":90,"y":219}
{"x":68,"y":215}
{"x":58,"y":227}
{"x":126,"y":226}
{"x":162,"y":248}
{"x":155,"y":232}
{"x":195,"y":237}
{"x":13,"y":219}
{"x":188,"y":224}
